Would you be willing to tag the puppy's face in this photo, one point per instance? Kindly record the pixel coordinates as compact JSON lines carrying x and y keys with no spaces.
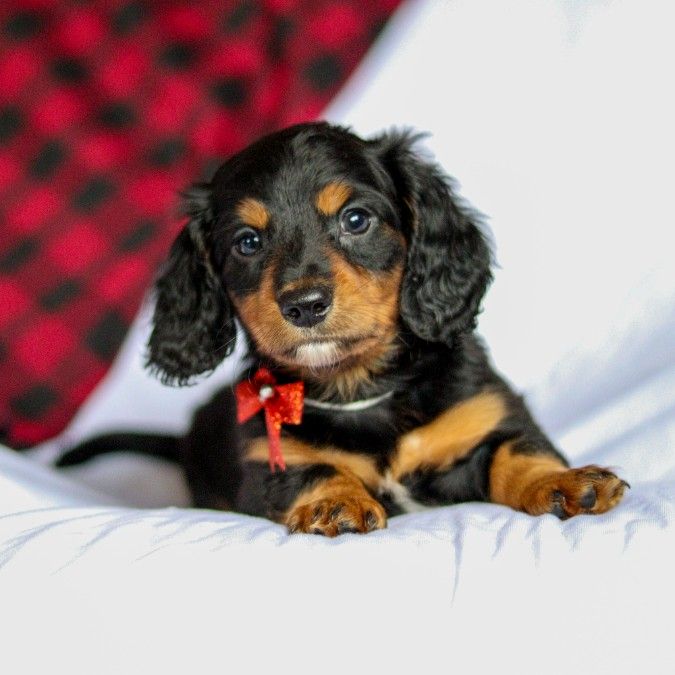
{"x":323,"y":245}
{"x":308,"y":242}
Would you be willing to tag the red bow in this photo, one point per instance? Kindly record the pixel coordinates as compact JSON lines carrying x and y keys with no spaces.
{"x":282,"y":403}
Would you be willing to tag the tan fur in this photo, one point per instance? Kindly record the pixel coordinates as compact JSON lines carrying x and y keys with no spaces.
{"x":365,"y":307}
{"x":306,"y":283}
{"x":364,"y":297}
{"x":253,"y":213}
{"x":296,"y":452}
{"x":450,"y":436}
{"x":334,"y":505}
{"x":366,"y":304}
{"x":261,"y":315}
{"x":331,"y":198}
{"x":538,"y":483}
{"x":512,"y":474}
{"x":346,"y":383}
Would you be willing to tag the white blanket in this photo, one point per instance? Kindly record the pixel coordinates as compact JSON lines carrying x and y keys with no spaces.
{"x":557,"y":118}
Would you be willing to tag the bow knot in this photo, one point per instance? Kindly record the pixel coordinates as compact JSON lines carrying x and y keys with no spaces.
{"x":282,"y":404}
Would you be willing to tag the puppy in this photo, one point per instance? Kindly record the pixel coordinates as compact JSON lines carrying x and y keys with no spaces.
{"x":352,"y":268}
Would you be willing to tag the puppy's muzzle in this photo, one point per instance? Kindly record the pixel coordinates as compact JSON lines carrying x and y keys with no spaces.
{"x":306,"y":307}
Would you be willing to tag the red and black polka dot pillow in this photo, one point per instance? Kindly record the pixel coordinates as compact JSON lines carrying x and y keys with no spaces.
{"x":107,"y":110}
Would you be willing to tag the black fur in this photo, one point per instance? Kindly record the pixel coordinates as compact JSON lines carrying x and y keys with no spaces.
{"x":437,"y":361}
{"x":194,"y":327}
{"x":448,"y":269}
{"x":158,"y":445}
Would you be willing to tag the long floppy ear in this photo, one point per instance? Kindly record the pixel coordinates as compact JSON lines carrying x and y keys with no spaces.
{"x":193,"y":322}
{"x":448,"y":267}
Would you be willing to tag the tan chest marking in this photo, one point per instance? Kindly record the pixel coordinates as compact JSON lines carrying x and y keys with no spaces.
{"x":448,"y":437}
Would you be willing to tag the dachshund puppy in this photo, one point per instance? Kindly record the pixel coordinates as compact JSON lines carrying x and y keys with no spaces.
{"x":351,"y":266}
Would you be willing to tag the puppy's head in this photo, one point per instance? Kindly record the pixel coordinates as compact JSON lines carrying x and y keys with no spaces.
{"x":322,"y":244}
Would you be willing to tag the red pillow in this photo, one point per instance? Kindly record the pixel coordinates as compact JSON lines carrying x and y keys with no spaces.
{"x":107,"y":110}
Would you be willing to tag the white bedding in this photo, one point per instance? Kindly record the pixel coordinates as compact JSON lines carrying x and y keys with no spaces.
{"x":557,"y":118}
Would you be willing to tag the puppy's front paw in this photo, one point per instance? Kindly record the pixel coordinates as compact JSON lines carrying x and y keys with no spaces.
{"x":589,"y":489}
{"x":337,"y":515}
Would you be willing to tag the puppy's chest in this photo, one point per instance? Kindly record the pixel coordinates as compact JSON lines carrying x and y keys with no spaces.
{"x":374,"y":448}
{"x":374,"y":433}
{"x":408,"y":466}
{"x":442,"y":459}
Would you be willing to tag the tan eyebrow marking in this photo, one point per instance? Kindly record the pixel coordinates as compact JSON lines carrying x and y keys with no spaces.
{"x":332,"y":197}
{"x":253,"y":213}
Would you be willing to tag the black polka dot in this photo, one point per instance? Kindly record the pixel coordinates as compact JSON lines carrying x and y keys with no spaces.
{"x":23,"y":25}
{"x":69,"y":70}
{"x":18,"y":255}
{"x":230,"y":92}
{"x":60,"y":295}
{"x":106,"y":336}
{"x":167,"y":152}
{"x":178,"y":56}
{"x":48,"y":159}
{"x":117,"y":115}
{"x":94,"y":192}
{"x":128,"y":17}
{"x":324,"y":72}
{"x":139,"y":236}
{"x":281,"y":32}
{"x":34,"y":402}
{"x":11,"y":122}
{"x":240,"y":15}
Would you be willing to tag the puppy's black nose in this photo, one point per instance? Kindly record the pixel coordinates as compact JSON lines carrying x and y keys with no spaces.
{"x":307,"y":306}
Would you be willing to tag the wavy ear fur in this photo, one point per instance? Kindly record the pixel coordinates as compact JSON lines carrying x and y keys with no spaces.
{"x":448,"y":268}
{"x":193,"y":322}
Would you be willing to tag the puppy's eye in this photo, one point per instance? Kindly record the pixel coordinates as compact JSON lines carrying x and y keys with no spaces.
{"x":247,"y":242}
{"x":355,"y":221}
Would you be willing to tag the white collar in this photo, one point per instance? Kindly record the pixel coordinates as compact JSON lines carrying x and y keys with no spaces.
{"x":352,"y":406}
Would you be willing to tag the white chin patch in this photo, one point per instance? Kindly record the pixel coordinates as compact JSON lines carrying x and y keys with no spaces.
{"x":317,"y":354}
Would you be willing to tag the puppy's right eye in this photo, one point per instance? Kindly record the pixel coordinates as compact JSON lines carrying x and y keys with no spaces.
{"x":247,"y":242}
{"x":355,"y":221}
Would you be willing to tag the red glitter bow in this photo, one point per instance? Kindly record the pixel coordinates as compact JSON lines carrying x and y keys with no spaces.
{"x":282,"y":403}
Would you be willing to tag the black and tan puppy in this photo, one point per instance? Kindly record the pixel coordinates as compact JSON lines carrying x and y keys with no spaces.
{"x":350,"y":265}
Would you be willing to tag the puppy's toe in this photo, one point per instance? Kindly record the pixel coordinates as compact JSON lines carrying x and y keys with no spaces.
{"x":339,"y":515}
{"x":589,"y":489}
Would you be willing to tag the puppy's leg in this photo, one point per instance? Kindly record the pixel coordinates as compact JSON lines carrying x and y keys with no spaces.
{"x":333,"y":506}
{"x":458,"y":457}
{"x":323,"y":490}
{"x":541,"y":482}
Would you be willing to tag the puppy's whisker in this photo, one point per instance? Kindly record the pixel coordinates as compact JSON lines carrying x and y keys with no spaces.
{"x":402,"y":340}
{"x":224,"y":347}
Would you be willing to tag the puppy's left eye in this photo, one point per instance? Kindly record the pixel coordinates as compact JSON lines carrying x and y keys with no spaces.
{"x":355,"y":221}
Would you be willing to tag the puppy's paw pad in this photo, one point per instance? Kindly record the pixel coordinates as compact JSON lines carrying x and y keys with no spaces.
{"x":588,"y":489}
{"x":333,"y":516}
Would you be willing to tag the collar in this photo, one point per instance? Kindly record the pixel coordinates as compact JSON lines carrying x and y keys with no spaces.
{"x":352,"y":406}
